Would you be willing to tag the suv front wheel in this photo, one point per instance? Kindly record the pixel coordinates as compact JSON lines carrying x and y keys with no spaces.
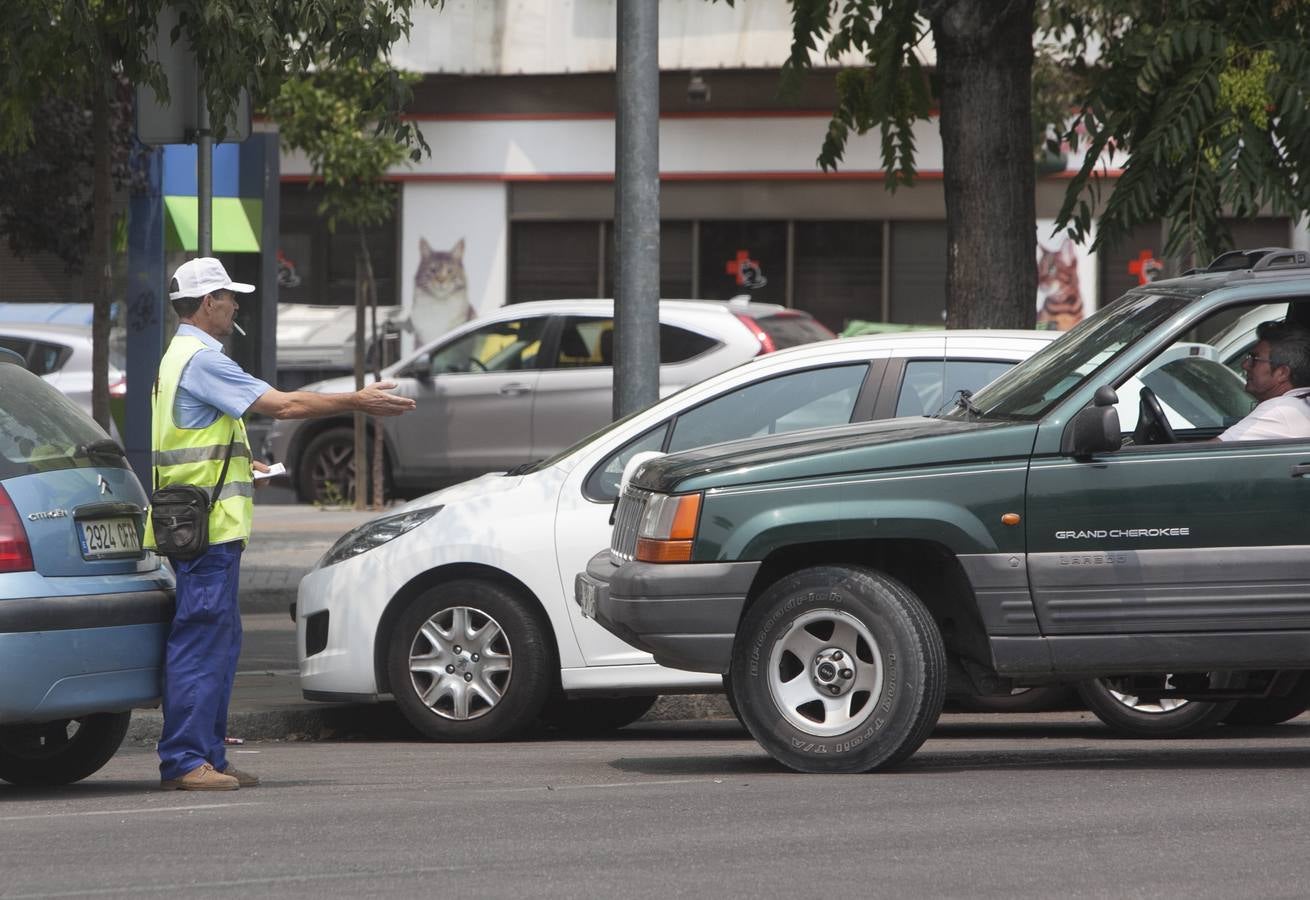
{"x":838,"y":669}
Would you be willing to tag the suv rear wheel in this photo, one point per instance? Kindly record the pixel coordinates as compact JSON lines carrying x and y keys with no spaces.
{"x":60,"y":752}
{"x":1124,"y":703}
{"x":838,"y":669}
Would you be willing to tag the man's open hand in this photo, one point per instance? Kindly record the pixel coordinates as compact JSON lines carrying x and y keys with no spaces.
{"x":377,"y":400}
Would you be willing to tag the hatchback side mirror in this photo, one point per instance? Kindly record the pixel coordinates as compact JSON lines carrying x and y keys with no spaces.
{"x":1093,"y":429}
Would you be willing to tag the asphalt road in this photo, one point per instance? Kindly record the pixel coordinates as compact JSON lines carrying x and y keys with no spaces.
{"x":994,"y":806}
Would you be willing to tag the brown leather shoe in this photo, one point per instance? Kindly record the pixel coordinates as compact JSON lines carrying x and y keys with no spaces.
{"x":245,"y":779}
{"x":203,"y":777}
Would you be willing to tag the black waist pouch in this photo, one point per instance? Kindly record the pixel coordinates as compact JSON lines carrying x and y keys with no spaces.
{"x":179,"y":515}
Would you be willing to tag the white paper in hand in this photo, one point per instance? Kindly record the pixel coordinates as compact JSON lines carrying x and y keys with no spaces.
{"x":275,"y":469}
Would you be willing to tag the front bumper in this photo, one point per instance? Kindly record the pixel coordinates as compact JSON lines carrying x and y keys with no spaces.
{"x":684,"y":614}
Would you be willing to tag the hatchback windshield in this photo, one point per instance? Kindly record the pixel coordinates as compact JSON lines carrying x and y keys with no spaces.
{"x":41,"y":429}
{"x":1031,"y":388}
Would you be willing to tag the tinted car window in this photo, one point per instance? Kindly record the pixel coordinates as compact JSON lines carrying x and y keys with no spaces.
{"x":42,"y":430}
{"x":497,"y":347}
{"x":589,"y":342}
{"x":585,"y":343}
{"x":922,"y":387}
{"x":791,"y":329}
{"x":46,"y":358}
{"x":807,"y":399}
{"x":679,"y":344}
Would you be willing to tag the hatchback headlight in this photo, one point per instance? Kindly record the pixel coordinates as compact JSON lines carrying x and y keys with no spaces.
{"x":375,"y":533}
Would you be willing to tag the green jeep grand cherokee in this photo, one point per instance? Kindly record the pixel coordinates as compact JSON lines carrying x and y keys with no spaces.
{"x":1073,"y":520}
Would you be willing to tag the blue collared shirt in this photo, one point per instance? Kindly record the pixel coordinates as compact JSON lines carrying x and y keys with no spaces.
{"x":213,"y":384}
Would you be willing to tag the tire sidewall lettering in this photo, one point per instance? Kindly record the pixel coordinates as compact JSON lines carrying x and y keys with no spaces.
{"x":765,"y":633}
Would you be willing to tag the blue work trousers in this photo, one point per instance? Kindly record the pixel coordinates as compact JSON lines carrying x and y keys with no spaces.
{"x":200,"y":662}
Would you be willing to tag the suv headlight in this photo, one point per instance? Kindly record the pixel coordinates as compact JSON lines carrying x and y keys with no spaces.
{"x":668,"y":527}
{"x":375,"y":533}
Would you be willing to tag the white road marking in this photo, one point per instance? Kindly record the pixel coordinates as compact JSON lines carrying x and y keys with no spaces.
{"x":128,"y":812}
{"x":616,"y":784}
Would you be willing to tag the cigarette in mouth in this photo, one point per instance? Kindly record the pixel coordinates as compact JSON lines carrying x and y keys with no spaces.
{"x":239,"y":330}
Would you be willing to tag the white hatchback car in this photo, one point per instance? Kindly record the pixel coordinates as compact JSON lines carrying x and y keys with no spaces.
{"x":459,"y":604}
{"x":61,"y":355}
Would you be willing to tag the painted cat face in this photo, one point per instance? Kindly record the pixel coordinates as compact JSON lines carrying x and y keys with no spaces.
{"x":440,"y":273}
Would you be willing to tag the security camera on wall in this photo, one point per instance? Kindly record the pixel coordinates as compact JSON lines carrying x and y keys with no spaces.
{"x":697,"y":90}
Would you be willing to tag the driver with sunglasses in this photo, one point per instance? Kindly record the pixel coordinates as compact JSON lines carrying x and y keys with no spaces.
{"x":1278,"y":377}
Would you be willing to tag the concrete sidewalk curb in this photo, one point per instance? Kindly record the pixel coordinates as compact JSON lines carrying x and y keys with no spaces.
{"x":378,"y":721}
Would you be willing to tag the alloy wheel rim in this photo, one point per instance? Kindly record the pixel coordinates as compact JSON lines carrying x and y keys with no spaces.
{"x":1149,"y":707}
{"x":825,"y":673}
{"x":335,"y":464}
{"x":460,"y":663}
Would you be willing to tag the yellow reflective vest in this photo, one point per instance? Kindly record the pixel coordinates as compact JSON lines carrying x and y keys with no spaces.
{"x":195,"y":455}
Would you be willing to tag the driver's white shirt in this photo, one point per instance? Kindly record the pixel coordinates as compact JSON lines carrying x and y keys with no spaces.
{"x":1282,"y":418}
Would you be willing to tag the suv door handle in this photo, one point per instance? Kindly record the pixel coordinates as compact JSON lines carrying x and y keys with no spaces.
{"x":1301,"y":469}
{"x":512,"y":390}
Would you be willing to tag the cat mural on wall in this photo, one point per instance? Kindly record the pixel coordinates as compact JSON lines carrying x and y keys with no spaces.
{"x":1059,"y":293}
{"x":441,"y":295}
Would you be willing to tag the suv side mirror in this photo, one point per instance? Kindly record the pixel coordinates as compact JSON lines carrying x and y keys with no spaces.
{"x":1095,"y":428}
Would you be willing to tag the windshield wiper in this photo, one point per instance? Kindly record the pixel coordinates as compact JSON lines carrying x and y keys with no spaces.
{"x":524,"y":468}
{"x":102,"y":447}
{"x":963,"y":401}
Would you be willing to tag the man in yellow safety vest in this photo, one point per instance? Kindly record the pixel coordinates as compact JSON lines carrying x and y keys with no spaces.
{"x":199,"y":399}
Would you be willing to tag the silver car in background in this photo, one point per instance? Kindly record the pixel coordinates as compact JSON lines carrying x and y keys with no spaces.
{"x":520,"y":384}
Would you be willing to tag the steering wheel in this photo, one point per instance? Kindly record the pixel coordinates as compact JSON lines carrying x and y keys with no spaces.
{"x":1152,"y":424}
{"x":476,"y":365}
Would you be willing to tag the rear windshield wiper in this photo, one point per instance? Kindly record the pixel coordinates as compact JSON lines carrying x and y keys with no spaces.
{"x":102,"y":447}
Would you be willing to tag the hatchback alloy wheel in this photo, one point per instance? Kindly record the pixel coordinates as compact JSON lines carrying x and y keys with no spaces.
{"x":460,"y":663}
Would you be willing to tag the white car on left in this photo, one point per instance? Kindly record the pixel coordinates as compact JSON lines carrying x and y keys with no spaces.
{"x":61,"y":356}
{"x":459,"y":604}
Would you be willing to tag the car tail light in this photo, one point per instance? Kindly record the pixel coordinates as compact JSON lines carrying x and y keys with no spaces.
{"x":766,"y":342}
{"x":15,"y":551}
{"x":118,"y":388}
{"x":668,"y":528}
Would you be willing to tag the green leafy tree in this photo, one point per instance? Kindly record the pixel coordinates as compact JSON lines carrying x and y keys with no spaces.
{"x":1210,"y":103}
{"x":346,"y":119}
{"x":1207,"y":100}
{"x":982,"y":85}
{"x":78,"y":49}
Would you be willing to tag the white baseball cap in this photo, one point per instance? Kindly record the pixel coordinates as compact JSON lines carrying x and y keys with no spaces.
{"x":201,"y":276}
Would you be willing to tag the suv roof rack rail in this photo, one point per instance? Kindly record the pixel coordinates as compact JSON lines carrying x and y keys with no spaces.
{"x":1259,"y":260}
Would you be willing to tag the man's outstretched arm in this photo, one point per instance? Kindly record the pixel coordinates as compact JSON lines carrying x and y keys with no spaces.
{"x":375,"y":400}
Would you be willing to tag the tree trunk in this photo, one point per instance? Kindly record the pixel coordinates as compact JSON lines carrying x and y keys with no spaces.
{"x":361,"y":436}
{"x":379,"y":434}
{"x":984,"y":61}
{"x":101,"y":266}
